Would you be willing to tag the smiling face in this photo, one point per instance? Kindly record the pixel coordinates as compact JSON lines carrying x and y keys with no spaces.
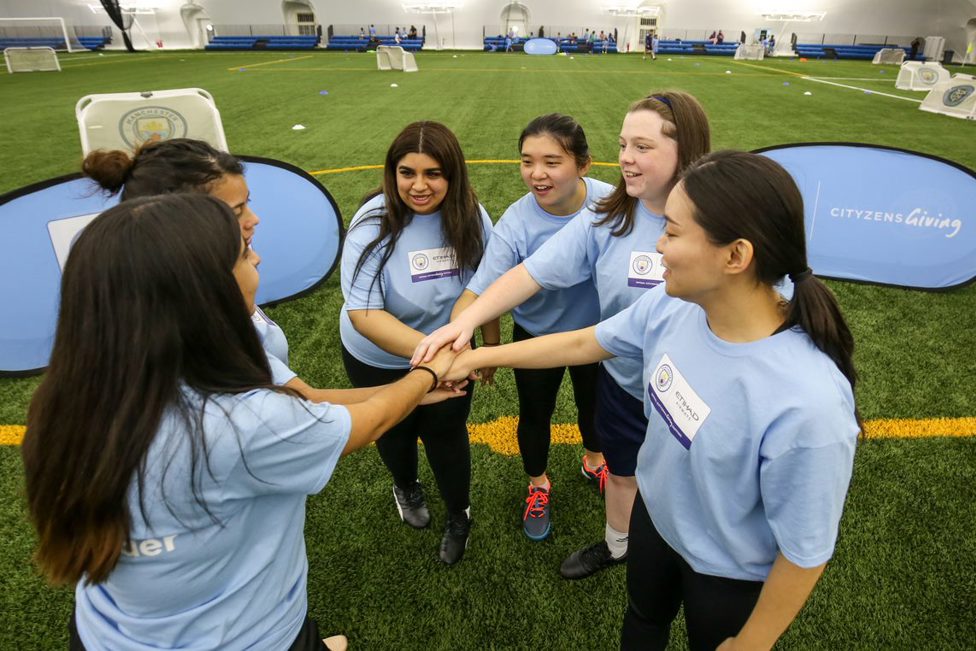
{"x":232,"y":189}
{"x":552,"y":176}
{"x":421,"y":183}
{"x":246,"y":274}
{"x":693,"y":264}
{"x":648,"y":158}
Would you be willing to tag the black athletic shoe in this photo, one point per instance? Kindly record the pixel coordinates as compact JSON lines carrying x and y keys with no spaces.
{"x":455,"y":539}
{"x":411,"y":505}
{"x":588,"y":561}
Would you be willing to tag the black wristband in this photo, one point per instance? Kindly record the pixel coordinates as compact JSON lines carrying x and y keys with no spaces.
{"x":437,"y":380}
{"x":486,"y":344}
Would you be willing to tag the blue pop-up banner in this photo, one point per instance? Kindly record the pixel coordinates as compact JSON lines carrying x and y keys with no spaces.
{"x":298,"y":239}
{"x":886,"y":216}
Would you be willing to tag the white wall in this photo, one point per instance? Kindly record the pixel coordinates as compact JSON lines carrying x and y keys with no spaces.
{"x":866,"y":17}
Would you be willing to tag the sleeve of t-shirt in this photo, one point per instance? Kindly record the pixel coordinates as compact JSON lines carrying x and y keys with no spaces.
{"x":281,"y":374}
{"x":622,"y":335}
{"x":565,"y":259}
{"x":361,"y":290}
{"x":288,"y":445}
{"x":804,"y":488}
{"x":500,"y":256}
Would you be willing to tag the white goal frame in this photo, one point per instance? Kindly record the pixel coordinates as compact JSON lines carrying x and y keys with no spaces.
{"x":52,"y":63}
{"x":55,"y":22}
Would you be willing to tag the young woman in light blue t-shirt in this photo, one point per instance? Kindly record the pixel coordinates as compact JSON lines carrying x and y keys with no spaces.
{"x":555,"y":159}
{"x":612,"y":246}
{"x":409,"y":253}
{"x":749,"y":397}
{"x":158,"y":442}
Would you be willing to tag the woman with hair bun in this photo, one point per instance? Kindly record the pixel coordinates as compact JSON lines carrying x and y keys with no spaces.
{"x":166,"y":473}
{"x":749,"y":399}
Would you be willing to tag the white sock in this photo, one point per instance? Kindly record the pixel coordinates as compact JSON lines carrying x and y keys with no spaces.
{"x":616,"y":541}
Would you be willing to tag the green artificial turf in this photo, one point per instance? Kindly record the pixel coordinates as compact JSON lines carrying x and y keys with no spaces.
{"x":903,"y":574}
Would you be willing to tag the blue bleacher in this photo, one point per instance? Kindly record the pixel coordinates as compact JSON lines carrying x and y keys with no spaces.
{"x":263,"y":43}
{"x":865,"y":52}
{"x":497,"y":44}
{"x":356,"y":44}
{"x":696,"y":47}
{"x":89,"y":42}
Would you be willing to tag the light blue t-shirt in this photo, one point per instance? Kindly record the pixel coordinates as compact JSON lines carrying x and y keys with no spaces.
{"x":622,"y":269}
{"x":749,"y":446}
{"x":419,"y":284}
{"x":523,"y":228}
{"x":188,"y":582}
{"x":272,"y":336}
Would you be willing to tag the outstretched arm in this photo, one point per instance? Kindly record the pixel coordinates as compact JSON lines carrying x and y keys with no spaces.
{"x":561,"y":349}
{"x":511,"y":289}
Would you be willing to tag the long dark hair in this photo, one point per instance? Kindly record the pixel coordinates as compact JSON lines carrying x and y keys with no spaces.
{"x":738,"y":195}
{"x":685,"y":122}
{"x":160,"y":167}
{"x":460,"y":215}
{"x":149,"y":303}
{"x":564,"y":130}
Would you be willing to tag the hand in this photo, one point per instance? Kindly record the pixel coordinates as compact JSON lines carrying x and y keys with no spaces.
{"x":445,"y":391}
{"x":454,"y":333}
{"x":487,"y":375}
{"x":441,"y":362}
{"x":463,"y":366}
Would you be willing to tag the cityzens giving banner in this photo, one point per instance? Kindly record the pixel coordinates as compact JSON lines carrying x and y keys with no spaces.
{"x":298,"y":239}
{"x":887,"y":216}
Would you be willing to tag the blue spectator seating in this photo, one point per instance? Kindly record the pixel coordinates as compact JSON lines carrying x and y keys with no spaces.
{"x":263,"y":43}
{"x":357,"y":44}
{"x":497,"y":44}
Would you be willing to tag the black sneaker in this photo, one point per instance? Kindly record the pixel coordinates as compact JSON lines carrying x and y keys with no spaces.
{"x":455,"y":539}
{"x":411,"y":505}
{"x":588,"y":561}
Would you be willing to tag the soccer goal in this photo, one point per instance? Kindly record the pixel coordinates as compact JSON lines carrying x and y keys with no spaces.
{"x":750,"y":52}
{"x":920,"y":75}
{"x":394,"y":57}
{"x":39,"y":32}
{"x":889,"y":56}
{"x":31,"y":59}
{"x":956,"y":98}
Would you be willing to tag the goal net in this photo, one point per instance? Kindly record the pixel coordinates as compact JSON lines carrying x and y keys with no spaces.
{"x":889,"y":56}
{"x":54,"y":33}
{"x":31,"y":59}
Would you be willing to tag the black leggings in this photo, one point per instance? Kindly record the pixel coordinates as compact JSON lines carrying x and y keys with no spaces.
{"x":659,"y":580}
{"x":442,"y":427}
{"x":537,"y":390}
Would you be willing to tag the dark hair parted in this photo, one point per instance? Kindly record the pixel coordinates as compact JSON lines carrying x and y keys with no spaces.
{"x":160,"y":167}
{"x":461,"y":223}
{"x":149,"y":304}
{"x":737,"y":195}
{"x":685,"y":122}
{"x":564,"y":130}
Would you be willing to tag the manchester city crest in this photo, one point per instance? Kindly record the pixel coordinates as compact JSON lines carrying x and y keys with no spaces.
{"x":642,"y":265}
{"x":957,"y":95}
{"x":665,"y":376}
{"x":928,"y":76}
{"x":151,"y":123}
{"x":420,"y":262}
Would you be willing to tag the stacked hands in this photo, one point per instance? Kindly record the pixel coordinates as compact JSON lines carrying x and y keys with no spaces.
{"x":447,"y":351}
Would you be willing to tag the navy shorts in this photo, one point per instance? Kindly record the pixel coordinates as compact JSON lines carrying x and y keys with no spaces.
{"x":620,"y":425}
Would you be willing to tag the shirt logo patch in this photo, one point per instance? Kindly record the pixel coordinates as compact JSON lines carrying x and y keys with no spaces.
{"x":645,"y":269}
{"x":430,"y":264}
{"x":682,"y":409}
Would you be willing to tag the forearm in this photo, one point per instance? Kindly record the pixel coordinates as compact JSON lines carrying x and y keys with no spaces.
{"x":491,"y":332}
{"x":333,"y":396}
{"x":561,"y":349}
{"x":783,"y":595}
{"x":387,"y":406}
{"x":513,"y":288}
{"x":386,"y":331}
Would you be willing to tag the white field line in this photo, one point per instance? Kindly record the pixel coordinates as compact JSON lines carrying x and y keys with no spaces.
{"x":865,"y":90}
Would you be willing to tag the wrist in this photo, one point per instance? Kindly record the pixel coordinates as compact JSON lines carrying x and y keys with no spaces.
{"x":435,"y":379}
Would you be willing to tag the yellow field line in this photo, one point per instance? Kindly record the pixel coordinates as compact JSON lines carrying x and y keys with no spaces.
{"x":499,"y":434}
{"x":487,"y":161}
{"x":120,"y":60}
{"x":268,"y":63}
{"x":588,"y":71}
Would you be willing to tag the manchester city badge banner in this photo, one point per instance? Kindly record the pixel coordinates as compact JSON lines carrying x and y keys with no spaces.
{"x":886,"y":216}
{"x":299,"y":240}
